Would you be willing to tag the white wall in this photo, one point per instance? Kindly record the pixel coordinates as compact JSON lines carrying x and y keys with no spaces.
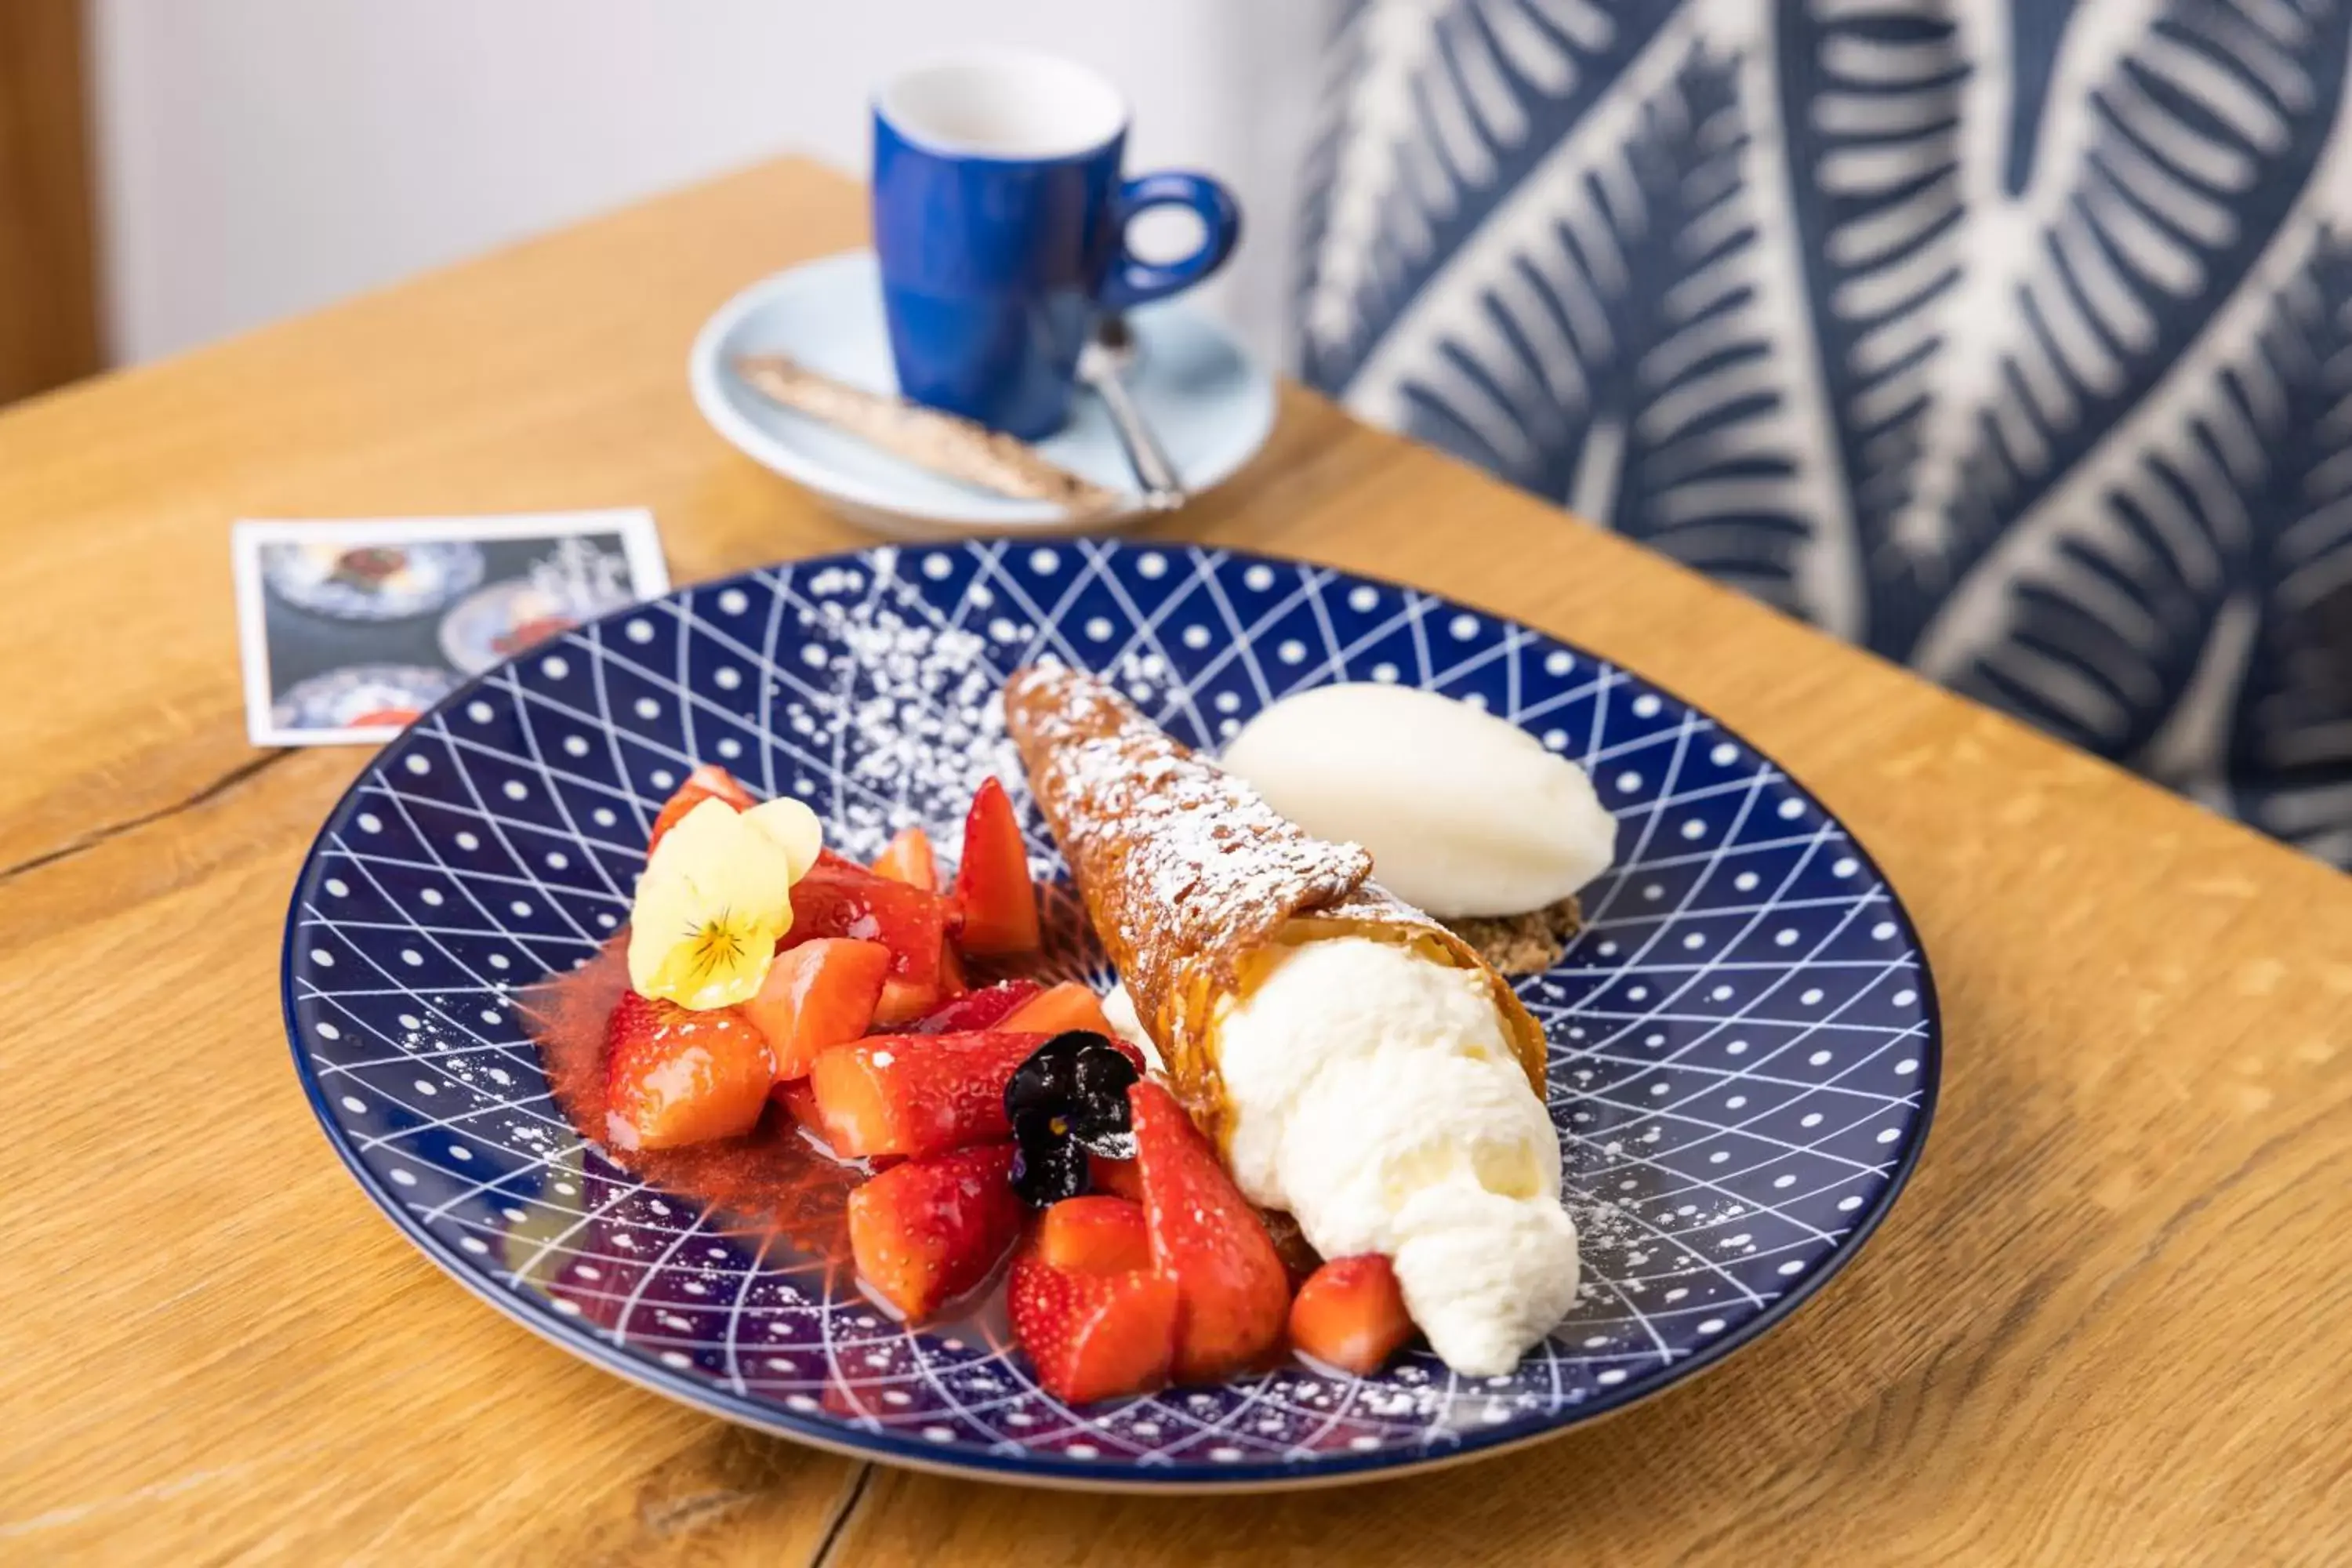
{"x":262,"y":157}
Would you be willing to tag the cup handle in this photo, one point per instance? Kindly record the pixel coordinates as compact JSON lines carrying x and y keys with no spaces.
{"x":1134,"y":281}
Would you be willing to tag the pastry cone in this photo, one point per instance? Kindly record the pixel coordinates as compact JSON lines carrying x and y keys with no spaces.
{"x":1192,"y":879}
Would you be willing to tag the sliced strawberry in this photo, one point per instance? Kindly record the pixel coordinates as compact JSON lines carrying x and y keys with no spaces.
{"x":1350,"y":1314}
{"x":1092,"y":1336}
{"x":1094,"y":1235}
{"x":1114,"y":1178}
{"x":672,"y":1075}
{"x":985,"y":1008}
{"x":926,"y":1232}
{"x":991,"y":881}
{"x":798,"y":1101}
{"x":910,"y":860}
{"x":839,"y":898}
{"x":1069,"y":1006}
{"x":708,"y":782}
{"x":1209,"y":1239}
{"x":816,"y":994}
{"x":916,"y":1094}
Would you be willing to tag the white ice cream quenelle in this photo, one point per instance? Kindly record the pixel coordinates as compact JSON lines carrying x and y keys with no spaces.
{"x":1374,"y":1096}
{"x":1464,"y":814}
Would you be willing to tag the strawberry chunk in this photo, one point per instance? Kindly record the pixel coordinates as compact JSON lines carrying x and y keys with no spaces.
{"x":839,"y":898}
{"x":1350,"y":1314}
{"x":986,"y":1008}
{"x":910,"y":860}
{"x":708,"y":782}
{"x":817,"y":995}
{"x":674,"y":1076}
{"x":929,"y":1230}
{"x":798,"y":1101}
{"x":1208,"y":1238}
{"x":1069,"y":1006}
{"x":1092,"y":1336}
{"x":1094,"y":1235}
{"x":1116,"y":1178}
{"x":991,"y":881}
{"x":916,"y":1094}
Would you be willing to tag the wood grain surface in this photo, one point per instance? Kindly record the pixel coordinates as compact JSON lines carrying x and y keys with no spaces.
{"x":2109,"y":1322}
{"x":48,"y":255}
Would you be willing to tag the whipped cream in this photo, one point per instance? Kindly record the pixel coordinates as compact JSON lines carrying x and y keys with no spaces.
{"x":1375,"y":1097}
{"x":1464,"y":814}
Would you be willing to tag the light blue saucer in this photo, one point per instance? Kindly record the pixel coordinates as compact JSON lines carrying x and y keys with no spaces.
{"x":1209,"y":404}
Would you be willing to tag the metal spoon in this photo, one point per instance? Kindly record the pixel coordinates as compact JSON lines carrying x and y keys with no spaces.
{"x":1106,"y":353}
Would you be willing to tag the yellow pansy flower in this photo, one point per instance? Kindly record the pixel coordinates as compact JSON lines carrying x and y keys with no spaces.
{"x":714,"y":899}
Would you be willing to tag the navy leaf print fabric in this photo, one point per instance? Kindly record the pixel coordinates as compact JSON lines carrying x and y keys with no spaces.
{"x":2009,"y":338}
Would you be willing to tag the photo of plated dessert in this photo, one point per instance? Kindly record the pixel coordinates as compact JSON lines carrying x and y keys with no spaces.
{"x":1108,"y":1014}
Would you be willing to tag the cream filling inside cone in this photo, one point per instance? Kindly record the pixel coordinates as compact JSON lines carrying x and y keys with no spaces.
{"x":1373,"y":1093}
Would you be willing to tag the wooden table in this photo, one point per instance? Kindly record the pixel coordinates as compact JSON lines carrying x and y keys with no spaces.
{"x":2110,"y":1320}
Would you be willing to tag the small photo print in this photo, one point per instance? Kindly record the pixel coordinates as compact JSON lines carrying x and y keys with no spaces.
{"x":351,"y":629}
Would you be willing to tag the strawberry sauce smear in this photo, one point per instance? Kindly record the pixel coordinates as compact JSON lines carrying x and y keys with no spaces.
{"x":773,"y":1178}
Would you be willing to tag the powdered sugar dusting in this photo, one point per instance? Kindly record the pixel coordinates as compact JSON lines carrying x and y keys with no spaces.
{"x":912,"y":714}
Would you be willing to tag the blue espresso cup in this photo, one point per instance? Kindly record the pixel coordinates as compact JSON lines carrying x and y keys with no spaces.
{"x":1000,"y":220}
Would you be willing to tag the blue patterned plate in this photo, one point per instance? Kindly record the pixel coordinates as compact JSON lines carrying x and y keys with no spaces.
{"x":1744,"y":1041}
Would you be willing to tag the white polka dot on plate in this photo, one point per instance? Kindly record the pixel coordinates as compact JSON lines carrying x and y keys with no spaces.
{"x":1819,"y":1059}
{"x":1629,"y":781}
{"x":576,"y":745}
{"x":479,"y":711}
{"x":1645,"y":705}
{"x":661,"y":778}
{"x":1194,"y":637}
{"x":1845,"y":868}
{"x":554,"y":667}
{"x":813,"y":655}
{"x":727,"y":678}
{"x":1694,"y":828}
{"x":337,"y":886}
{"x":1258,"y":579}
{"x":1745,"y":881}
{"x":409,"y":955}
{"x":1098,"y":629}
{"x":1152,"y":564}
{"x":353,"y":1104}
{"x":1386,"y":673}
{"x":1905,"y":1067}
{"x":1044,"y":562}
{"x":938,"y":567}
{"x":401,"y":1177}
{"x":465,"y":840}
{"x":603,"y":817}
{"x":1905,"y":998}
{"x":369,"y":822}
{"x":515,"y":790}
{"x":1291,"y":651}
{"x":1792,"y":809}
{"x":1554,"y":740}
{"x":431,"y":895}
{"x":1849,"y":1204}
{"x":418,"y":763}
{"x":646,"y":708}
{"x":732,"y":601}
{"x":639,"y":631}
{"x":1363,"y":599}
{"x":1463,"y":627}
{"x":1724,"y":756}
{"x":1559,"y":661}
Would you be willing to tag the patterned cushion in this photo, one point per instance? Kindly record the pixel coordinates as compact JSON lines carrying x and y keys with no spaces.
{"x":2011,"y":339}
